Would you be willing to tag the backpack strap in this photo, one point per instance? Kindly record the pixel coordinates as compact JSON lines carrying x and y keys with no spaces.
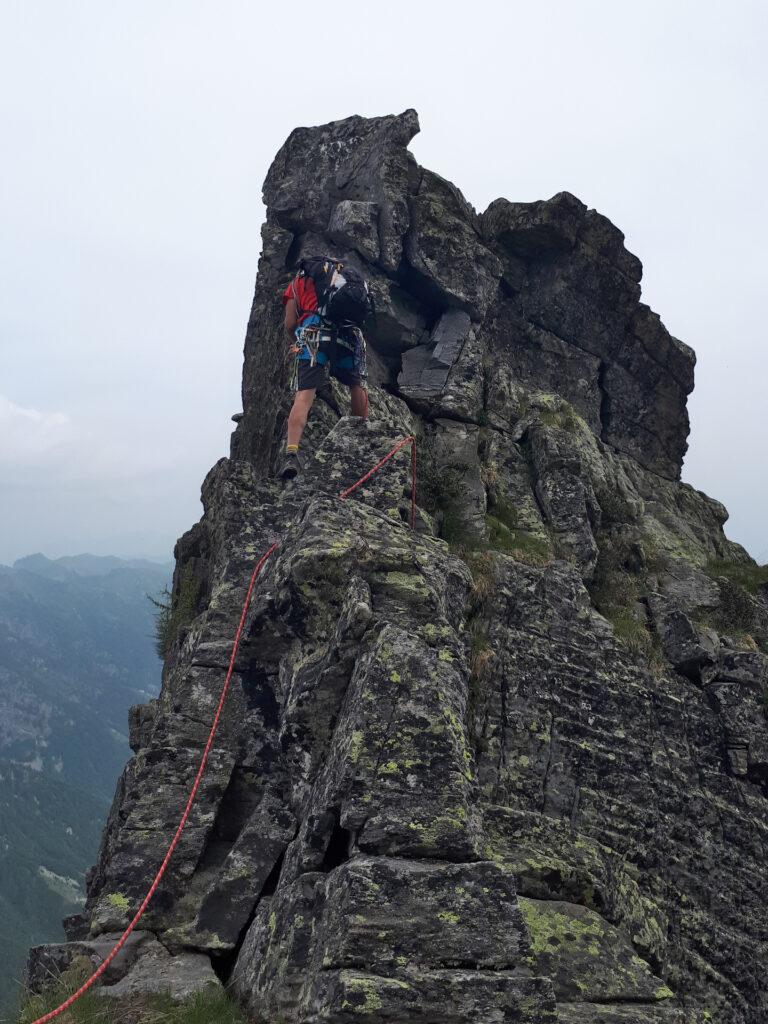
{"x":295,"y":293}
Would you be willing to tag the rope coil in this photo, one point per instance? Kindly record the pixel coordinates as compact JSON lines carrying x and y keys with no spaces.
{"x":211,"y":735}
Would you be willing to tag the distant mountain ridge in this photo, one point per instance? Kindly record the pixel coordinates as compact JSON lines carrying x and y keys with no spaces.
{"x":86,"y":565}
{"x":76,"y":650}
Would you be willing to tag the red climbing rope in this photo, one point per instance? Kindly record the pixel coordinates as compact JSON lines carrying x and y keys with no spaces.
{"x":211,"y":735}
{"x":193,"y":793}
{"x":393,"y":451}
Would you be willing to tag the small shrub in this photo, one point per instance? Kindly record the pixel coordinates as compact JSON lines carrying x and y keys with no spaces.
{"x":174,"y":614}
{"x":453,"y":529}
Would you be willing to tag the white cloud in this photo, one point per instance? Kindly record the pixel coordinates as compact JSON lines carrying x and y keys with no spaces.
{"x":27,"y":435}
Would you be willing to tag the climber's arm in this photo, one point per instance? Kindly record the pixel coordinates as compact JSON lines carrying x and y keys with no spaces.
{"x":291,"y":318}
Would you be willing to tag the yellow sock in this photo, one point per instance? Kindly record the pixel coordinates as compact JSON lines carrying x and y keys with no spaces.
{"x":292,"y":448}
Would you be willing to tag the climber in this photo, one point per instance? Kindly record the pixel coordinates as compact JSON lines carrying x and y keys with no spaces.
{"x":331,"y":343}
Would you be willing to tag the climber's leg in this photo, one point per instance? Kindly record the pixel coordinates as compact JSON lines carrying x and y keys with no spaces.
{"x":359,"y":399}
{"x":309,"y":378}
{"x":297,"y":418}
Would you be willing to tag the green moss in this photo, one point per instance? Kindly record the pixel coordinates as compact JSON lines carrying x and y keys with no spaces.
{"x":371,"y":1001}
{"x":118,"y":900}
{"x":408,"y":581}
{"x":664,"y":993}
{"x":549,"y":929}
{"x":448,"y":917}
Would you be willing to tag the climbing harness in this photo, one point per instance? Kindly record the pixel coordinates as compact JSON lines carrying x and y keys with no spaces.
{"x":214,"y":727}
{"x":328,"y":339}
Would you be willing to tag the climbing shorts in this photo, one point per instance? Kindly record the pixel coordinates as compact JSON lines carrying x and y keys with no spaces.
{"x":309,"y":377}
{"x":323,"y":353}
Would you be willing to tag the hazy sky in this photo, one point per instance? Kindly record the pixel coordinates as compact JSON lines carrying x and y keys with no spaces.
{"x":135,"y":140}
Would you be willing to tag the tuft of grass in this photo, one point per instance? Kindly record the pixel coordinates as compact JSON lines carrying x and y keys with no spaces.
{"x":564,"y":417}
{"x":505,"y":512}
{"x":616,"y":593}
{"x":210,"y":1006}
{"x":89,"y":1009}
{"x":483,"y":572}
{"x":615,"y":508}
{"x":749,"y":576}
{"x":738,"y":612}
{"x":440,"y":490}
{"x":481,"y":653}
{"x":174,"y":611}
{"x":630,"y":630}
{"x":522,"y":545}
{"x":489,"y":473}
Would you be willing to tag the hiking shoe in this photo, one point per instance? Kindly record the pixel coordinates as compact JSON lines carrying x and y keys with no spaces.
{"x":290,"y":466}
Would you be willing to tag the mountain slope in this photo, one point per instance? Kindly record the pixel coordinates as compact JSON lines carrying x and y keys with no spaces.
{"x":76,"y":651}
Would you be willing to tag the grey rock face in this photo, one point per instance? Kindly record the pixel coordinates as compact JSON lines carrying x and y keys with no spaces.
{"x":444,"y":248}
{"x":156,"y":971}
{"x":521,"y":776}
{"x":355,"y":225}
{"x":426,"y":368}
{"x":45,"y":962}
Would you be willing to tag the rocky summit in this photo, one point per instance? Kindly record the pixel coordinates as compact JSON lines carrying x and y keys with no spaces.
{"x":512,"y":766}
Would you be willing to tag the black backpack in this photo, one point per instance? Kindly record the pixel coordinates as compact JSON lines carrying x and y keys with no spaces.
{"x":342,"y":292}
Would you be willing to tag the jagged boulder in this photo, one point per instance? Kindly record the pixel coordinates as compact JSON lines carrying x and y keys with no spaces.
{"x":512,"y":765}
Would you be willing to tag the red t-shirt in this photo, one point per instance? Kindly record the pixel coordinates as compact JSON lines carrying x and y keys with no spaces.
{"x":302,"y":288}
